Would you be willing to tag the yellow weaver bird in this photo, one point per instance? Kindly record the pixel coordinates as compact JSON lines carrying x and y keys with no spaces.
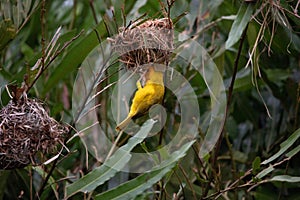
{"x":152,"y":93}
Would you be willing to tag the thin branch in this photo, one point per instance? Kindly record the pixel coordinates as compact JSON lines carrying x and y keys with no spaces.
{"x":229,"y":99}
{"x":31,"y":183}
{"x":250,"y":183}
{"x":188,"y":181}
{"x":54,"y":165}
{"x":296,"y":9}
{"x":297,"y":107}
{"x":52,"y":58}
{"x":43,"y":21}
{"x":41,"y":190}
{"x":95,"y":81}
{"x":170,"y":4}
{"x":196,"y":150}
{"x":74,"y":9}
{"x":233,"y":164}
{"x":93,"y":10}
{"x":180,"y":182}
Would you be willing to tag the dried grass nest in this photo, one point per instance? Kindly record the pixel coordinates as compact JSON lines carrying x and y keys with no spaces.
{"x":148,"y":42}
{"x":25,"y":130}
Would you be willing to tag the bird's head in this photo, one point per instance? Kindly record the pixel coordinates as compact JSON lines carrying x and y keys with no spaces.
{"x":154,"y":76}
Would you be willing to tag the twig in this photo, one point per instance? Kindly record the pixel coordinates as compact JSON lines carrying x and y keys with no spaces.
{"x":94,"y":82}
{"x":297,"y":107}
{"x":160,"y":187}
{"x":229,"y":97}
{"x":231,"y":187}
{"x":115,"y":20}
{"x":43,"y":11}
{"x":180,"y":182}
{"x":43,"y":68}
{"x":114,"y":146}
{"x":55,"y":163}
{"x":233,"y":165}
{"x":74,"y":9}
{"x":41,"y":190}
{"x":296,"y":8}
{"x":52,"y":58}
{"x":170,"y":4}
{"x":31,"y":183}
{"x":163,"y":8}
{"x":93,"y":10}
{"x":230,"y":92}
{"x":196,"y":150}
{"x":250,"y":183}
{"x":28,"y":17}
{"x":123,"y":16}
{"x":188,"y":181}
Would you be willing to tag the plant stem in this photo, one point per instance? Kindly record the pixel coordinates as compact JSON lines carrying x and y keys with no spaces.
{"x":43,"y":11}
{"x":229,"y":99}
{"x":41,"y":190}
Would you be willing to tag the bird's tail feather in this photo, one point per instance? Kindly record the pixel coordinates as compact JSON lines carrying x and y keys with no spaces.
{"x":123,"y":124}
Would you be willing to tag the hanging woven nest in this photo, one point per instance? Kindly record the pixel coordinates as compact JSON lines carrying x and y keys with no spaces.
{"x":25,"y":130}
{"x":148,"y":42}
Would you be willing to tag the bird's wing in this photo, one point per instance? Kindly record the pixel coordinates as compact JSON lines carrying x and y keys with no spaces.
{"x":146,"y":97}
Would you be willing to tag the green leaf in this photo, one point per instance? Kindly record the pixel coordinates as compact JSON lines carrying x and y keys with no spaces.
{"x":137,"y":186}
{"x":240,"y":156}
{"x":4,"y":175}
{"x":133,"y":188}
{"x":293,"y":152}
{"x":242,"y":19}
{"x":111,"y":166}
{"x":256,"y":165}
{"x":276,"y":75}
{"x":264,"y":172}
{"x":265,"y":193}
{"x":286,"y":178}
{"x":8,"y":32}
{"x":284,"y":146}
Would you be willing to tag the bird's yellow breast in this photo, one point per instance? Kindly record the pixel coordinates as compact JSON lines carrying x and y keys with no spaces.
{"x":144,"y":98}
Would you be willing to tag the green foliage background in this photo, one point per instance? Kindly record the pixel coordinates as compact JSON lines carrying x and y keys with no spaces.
{"x":258,"y":156}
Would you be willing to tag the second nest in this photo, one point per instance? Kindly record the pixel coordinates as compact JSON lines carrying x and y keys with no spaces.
{"x":148,"y":42}
{"x":26,"y":129}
